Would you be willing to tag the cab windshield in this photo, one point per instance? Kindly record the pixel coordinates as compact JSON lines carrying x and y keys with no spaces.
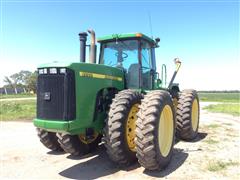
{"x":120,"y":53}
{"x":124,"y":54}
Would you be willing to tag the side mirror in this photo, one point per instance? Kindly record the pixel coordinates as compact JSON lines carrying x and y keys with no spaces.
{"x":157,"y":40}
{"x":152,"y":72}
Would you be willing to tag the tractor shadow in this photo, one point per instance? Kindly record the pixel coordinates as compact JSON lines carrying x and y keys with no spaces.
{"x":97,"y":164}
{"x":178,"y":158}
{"x":56,"y":152}
{"x":93,"y":166}
{"x":199,"y":137}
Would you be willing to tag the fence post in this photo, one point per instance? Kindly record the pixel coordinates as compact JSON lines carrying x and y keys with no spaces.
{"x":5,"y":90}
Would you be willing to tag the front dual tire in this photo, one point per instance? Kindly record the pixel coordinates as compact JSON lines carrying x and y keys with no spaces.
{"x":78,"y":145}
{"x":49,"y":139}
{"x":73,"y":144}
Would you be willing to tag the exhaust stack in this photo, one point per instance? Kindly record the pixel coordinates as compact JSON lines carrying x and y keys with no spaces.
{"x":83,"y":39}
{"x":93,"y":47}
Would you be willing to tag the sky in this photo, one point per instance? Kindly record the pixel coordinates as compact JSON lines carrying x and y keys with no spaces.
{"x":204,"y":35}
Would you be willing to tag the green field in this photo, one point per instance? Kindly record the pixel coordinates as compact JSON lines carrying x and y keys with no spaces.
{"x":220,"y":97}
{"x":17,"y":110}
{"x":23,"y":95}
{"x":233,"y":109}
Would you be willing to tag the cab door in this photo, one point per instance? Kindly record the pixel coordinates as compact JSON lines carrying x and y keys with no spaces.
{"x":147,"y":69}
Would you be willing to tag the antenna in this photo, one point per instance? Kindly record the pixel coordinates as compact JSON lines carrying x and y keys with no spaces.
{"x":150,"y":23}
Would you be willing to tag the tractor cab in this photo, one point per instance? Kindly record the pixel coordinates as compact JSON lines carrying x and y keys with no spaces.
{"x":132,"y":53}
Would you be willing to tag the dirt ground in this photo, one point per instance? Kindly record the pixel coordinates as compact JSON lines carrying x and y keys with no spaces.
{"x":214,"y":154}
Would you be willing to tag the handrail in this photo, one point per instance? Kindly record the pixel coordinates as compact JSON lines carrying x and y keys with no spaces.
{"x":164,"y":78}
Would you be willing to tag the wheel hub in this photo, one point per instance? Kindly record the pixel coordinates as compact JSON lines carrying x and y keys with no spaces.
{"x":87,"y":140}
{"x":131,"y":126}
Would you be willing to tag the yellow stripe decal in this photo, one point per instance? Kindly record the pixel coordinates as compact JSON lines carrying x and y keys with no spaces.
{"x":99,"y":76}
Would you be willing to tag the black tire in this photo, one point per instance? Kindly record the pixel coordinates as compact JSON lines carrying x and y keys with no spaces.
{"x":186,"y":130}
{"x":148,"y":135}
{"x":73,"y":145}
{"x":49,"y":140}
{"x":114,"y":137}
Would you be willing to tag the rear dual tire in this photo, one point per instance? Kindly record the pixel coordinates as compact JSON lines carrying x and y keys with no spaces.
{"x":187,"y":115}
{"x":154,"y":134}
{"x":155,"y":129}
{"x":119,"y":131}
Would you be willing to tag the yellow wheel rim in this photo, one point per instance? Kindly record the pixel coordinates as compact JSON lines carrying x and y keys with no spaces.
{"x":85,"y":140}
{"x":131,"y":126}
{"x":165,"y":130}
{"x":195,"y":114}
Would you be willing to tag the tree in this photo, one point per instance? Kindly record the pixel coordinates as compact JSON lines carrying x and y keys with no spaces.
{"x":8,"y":81}
{"x":31,"y":82}
{"x":23,"y":79}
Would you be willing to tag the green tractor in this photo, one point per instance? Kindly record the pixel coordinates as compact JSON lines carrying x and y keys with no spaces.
{"x":120,"y":101}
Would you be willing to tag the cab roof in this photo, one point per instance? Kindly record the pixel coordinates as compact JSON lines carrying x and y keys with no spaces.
{"x":125,"y":36}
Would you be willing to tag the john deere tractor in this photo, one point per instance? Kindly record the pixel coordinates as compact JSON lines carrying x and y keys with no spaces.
{"x":120,"y":100}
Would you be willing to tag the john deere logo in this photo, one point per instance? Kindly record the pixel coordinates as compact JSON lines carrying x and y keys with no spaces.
{"x":86,"y":74}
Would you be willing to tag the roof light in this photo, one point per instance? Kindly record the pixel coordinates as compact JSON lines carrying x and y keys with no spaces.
{"x":139,"y":35}
{"x":40,"y":71}
{"x":62,"y":70}
{"x":45,"y":71}
{"x":53,"y":70}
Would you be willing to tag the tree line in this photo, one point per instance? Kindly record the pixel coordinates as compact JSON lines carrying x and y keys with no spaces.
{"x":220,"y":91}
{"x":23,"y":79}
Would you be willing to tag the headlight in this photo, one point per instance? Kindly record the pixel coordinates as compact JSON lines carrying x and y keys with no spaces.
{"x":53,"y":70}
{"x":45,"y":71}
{"x":40,"y":71}
{"x":62,"y":70}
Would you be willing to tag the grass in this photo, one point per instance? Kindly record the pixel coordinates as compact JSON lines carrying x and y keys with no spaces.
{"x":220,"y":97}
{"x":213,"y":126}
{"x":233,"y":109}
{"x":211,"y":141}
{"x":22,"y":95}
{"x":220,"y":165}
{"x":17,"y":110}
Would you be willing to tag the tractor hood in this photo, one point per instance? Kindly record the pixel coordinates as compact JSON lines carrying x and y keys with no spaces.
{"x":84,"y":82}
{"x":87,"y":70}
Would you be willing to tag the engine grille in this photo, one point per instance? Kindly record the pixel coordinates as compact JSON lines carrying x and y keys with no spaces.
{"x":56,"y":96}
